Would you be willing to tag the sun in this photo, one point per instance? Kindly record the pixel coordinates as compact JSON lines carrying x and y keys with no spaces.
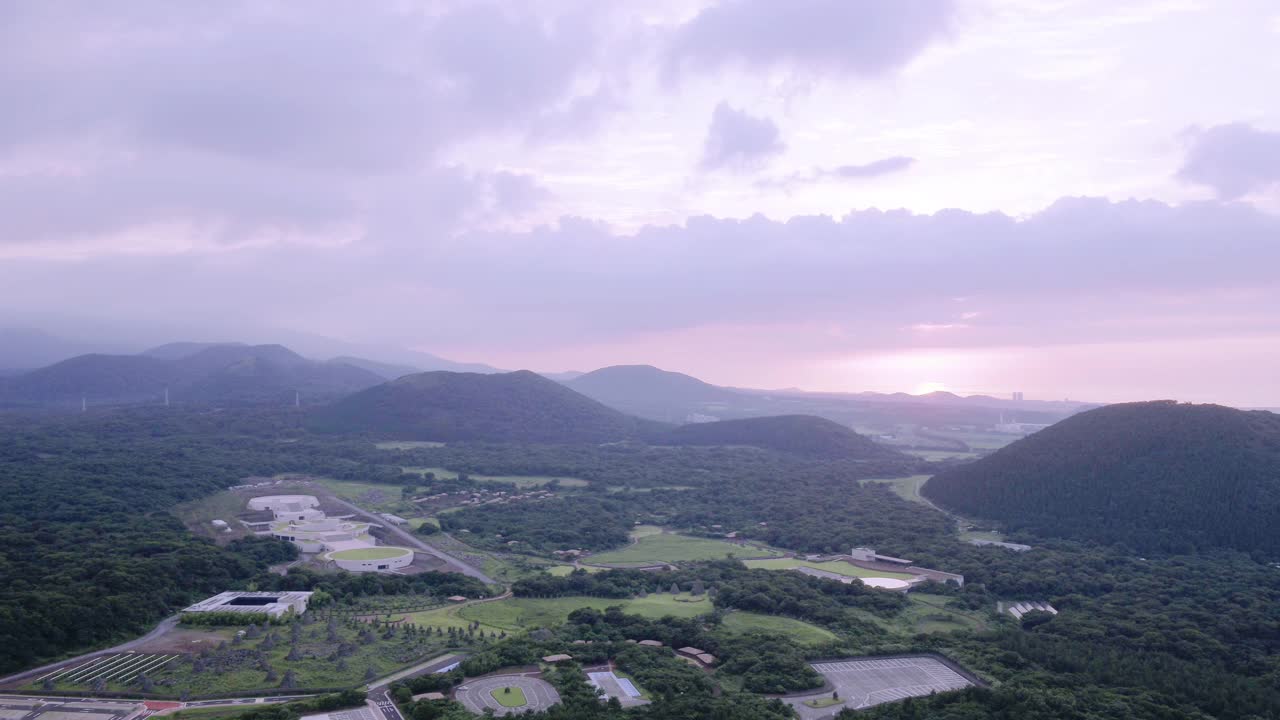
{"x":925,"y":388}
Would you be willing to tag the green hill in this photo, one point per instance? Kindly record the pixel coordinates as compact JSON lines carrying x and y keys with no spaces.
{"x":506,"y":407}
{"x":799,"y":434}
{"x":1157,"y":476}
{"x":649,"y":392}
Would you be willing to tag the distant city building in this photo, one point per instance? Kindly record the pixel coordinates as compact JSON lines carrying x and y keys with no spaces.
{"x":1017,"y":395}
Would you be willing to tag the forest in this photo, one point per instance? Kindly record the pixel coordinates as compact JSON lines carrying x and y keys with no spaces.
{"x":1154,"y":476}
{"x":90,"y":557}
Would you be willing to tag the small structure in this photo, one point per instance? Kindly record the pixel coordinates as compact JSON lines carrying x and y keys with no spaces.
{"x":868,"y":555}
{"x":457,"y":598}
{"x":394,"y":519}
{"x":556,"y":658}
{"x":220,"y":524}
{"x":651,"y":643}
{"x":271,"y":604}
{"x":692,"y":652}
{"x":1022,"y":608}
{"x":706,"y":658}
{"x":428,"y":696}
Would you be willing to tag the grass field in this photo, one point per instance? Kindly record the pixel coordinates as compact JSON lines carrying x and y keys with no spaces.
{"x":407,"y":444}
{"x":836,"y":566}
{"x":799,"y":631}
{"x":378,"y":497}
{"x":669,"y":547}
{"x":516,"y":614}
{"x":199,"y":515}
{"x":562,"y":570}
{"x":908,"y":488}
{"x":509,"y":697}
{"x":373,"y":553}
{"x":520,"y":481}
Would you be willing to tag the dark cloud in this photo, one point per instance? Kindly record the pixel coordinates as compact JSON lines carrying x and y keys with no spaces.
{"x":841,"y":36}
{"x":738,"y":141}
{"x":1235,"y":160}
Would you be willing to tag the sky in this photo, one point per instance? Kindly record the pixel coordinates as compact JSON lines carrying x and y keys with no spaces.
{"x":1068,"y":198}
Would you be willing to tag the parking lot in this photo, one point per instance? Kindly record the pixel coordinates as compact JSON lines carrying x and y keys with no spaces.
{"x":477,"y":695}
{"x":864,"y":682}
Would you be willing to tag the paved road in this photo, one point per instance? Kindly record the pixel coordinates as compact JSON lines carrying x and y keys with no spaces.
{"x":165,"y":626}
{"x":417,"y":544}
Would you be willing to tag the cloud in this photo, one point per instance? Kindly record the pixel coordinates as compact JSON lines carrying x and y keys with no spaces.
{"x":738,"y":141}
{"x":1103,"y":271}
{"x":836,"y":36}
{"x":1235,"y":160}
{"x":876,"y":168}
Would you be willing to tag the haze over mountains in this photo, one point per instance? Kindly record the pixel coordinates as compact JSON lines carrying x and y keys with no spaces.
{"x":1155,"y":476}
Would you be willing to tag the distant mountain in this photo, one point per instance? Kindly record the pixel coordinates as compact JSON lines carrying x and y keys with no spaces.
{"x":506,"y":407}
{"x":215,"y":375}
{"x":649,"y":392}
{"x":179,"y":350}
{"x":387,"y":371}
{"x":1156,"y":476}
{"x":799,"y":434}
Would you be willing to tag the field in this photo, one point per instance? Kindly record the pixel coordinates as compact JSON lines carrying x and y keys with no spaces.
{"x":198,"y":515}
{"x":516,"y":614}
{"x":510,"y":697}
{"x":671,"y":548}
{"x":377,"y":497}
{"x":562,"y":570}
{"x":373,"y":553}
{"x":520,"y":481}
{"x":836,"y":566}
{"x":799,"y":631}
{"x":907,"y":488}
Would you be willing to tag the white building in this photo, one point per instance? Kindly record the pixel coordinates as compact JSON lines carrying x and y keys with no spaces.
{"x":274,"y":604}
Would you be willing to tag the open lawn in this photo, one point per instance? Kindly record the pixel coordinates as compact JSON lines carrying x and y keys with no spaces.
{"x":198,"y":515}
{"x":407,"y":444}
{"x":671,"y":548}
{"x":516,"y":614}
{"x":510,"y":697}
{"x":836,"y":566}
{"x":520,"y":481}
{"x":562,"y":570}
{"x":908,"y":488}
{"x":798,"y":630}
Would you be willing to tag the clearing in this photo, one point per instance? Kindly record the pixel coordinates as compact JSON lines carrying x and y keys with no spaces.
{"x":665,"y":547}
{"x":798,"y":630}
{"x":907,"y":488}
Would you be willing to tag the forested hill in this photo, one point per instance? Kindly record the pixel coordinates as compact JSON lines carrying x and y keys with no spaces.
{"x":798,"y":434}
{"x":507,"y":407}
{"x":650,"y":392}
{"x":1157,"y":476}
{"x":228,"y":374}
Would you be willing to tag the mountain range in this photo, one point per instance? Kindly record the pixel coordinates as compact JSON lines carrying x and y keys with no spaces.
{"x":191,"y":373}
